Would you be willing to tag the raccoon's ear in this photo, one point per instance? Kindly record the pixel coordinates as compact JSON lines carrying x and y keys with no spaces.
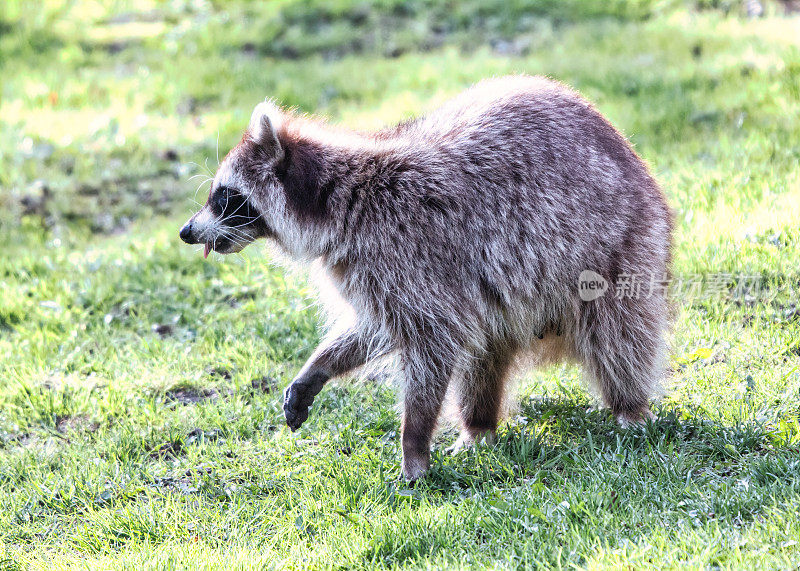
{"x":264,"y":125}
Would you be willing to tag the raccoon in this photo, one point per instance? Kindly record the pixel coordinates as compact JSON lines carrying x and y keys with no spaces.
{"x":459,"y":241}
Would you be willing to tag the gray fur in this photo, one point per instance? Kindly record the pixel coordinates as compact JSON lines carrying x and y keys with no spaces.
{"x":456,"y":241}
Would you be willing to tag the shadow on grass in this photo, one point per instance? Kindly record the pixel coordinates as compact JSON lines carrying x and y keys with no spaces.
{"x":566,"y":436}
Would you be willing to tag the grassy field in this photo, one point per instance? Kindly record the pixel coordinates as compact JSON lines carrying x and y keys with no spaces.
{"x":140,"y":385}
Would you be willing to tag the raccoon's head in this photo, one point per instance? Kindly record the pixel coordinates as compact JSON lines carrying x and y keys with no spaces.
{"x":244,"y":202}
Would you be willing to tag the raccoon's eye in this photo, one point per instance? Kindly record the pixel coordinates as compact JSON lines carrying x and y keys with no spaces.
{"x":220,"y":200}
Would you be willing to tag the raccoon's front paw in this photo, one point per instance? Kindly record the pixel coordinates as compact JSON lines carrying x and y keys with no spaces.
{"x":296,"y":401}
{"x":298,"y":397}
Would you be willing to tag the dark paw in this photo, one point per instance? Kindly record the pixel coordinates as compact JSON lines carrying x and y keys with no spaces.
{"x":297,"y":398}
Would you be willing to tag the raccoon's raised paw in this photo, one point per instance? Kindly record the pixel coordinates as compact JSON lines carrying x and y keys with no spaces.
{"x":298,"y":397}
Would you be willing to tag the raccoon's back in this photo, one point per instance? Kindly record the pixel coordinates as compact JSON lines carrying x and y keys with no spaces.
{"x":519,"y":183}
{"x":527,"y":149}
{"x":522,"y":181}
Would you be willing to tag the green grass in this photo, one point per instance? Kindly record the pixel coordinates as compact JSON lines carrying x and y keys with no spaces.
{"x":140,"y":421}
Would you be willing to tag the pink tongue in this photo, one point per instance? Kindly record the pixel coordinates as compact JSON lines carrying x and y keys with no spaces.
{"x":207,"y":250}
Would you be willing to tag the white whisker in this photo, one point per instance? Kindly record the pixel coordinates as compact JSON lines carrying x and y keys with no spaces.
{"x":235,"y":211}
{"x":246,"y":223}
{"x":198,"y":188}
{"x":208,"y":170}
{"x":238,"y":236}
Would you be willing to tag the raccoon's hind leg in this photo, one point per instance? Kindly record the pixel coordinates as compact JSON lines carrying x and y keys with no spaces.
{"x":332,"y":358}
{"x":427,"y":372}
{"x":623,"y":347}
{"x":480,"y":395}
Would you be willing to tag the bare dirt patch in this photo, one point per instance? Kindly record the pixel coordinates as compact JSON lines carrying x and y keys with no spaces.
{"x":78,"y":423}
{"x":190,"y":395}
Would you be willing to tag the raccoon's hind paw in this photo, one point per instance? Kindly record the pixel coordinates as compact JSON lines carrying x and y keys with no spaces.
{"x":469,"y":439}
{"x":464,"y":442}
{"x":298,"y":397}
{"x":635,"y":421}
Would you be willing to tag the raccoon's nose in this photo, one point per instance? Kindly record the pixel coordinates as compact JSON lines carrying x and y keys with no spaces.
{"x":186,"y":234}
